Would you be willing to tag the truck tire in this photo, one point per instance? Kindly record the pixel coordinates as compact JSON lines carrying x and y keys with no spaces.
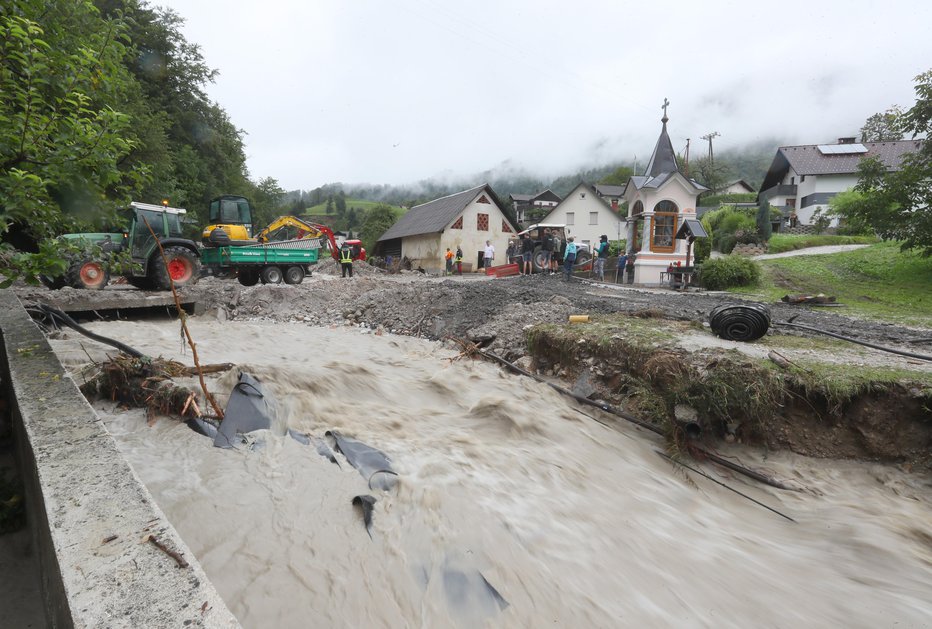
{"x":271,"y":275}
{"x":183,"y":268}
{"x":537,"y":261}
{"x":583,"y":260}
{"x":87,"y":274}
{"x":248,"y":277}
{"x":294,"y":275}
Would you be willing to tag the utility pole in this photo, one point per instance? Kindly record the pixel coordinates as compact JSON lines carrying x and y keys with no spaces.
{"x":687,"y":157}
{"x":709,"y":137}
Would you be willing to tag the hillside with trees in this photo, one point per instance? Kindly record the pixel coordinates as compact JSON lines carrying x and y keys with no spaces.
{"x":102,"y":103}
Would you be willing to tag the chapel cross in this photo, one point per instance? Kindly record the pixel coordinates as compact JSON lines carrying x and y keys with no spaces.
{"x":666,"y":104}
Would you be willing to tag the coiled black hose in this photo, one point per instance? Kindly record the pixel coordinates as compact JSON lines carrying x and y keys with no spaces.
{"x":749,"y":322}
{"x":740,"y":322}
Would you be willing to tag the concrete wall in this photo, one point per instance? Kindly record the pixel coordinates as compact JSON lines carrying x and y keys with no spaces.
{"x":80,"y":491}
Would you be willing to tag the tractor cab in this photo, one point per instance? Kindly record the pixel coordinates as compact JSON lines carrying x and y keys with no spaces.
{"x":232,"y":215}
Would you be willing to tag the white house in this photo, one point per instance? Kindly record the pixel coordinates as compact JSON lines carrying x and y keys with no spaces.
{"x":527,"y":206}
{"x":587,"y":215}
{"x":465,"y":219}
{"x":658,"y":203}
{"x":804,"y":178}
{"x":737,"y":187}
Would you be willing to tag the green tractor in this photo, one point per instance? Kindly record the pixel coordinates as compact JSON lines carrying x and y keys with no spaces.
{"x":149,"y":271}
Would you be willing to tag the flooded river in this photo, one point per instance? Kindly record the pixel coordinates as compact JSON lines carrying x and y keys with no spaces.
{"x":512,"y":509}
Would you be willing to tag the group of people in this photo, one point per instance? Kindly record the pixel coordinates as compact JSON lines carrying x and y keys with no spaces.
{"x":554,"y":252}
{"x":454,"y":259}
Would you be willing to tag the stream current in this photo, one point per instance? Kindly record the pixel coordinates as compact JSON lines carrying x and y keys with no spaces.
{"x":501,"y":481}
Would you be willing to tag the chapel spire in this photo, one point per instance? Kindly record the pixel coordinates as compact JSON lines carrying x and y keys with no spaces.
{"x":663,"y":159}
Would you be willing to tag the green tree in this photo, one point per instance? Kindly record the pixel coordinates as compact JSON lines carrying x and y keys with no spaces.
{"x":378,"y":219}
{"x":61,"y":139}
{"x":268,"y":201}
{"x":764,"y":226}
{"x":618,"y":177}
{"x":884,"y":127}
{"x":340,"y":202}
{"x":330,"y":204}
{"x":351,"y":219}
{"x":895,"y":204}
{"x":713,"y":175}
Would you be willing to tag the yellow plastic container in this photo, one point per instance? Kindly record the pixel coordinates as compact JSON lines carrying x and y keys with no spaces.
{"x":579,"y":318}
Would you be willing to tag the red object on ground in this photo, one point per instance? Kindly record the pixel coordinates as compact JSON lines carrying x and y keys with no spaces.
{"x":505,"y":270}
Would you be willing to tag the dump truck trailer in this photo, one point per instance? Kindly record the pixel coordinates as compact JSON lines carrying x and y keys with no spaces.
{"x":271,"y":263}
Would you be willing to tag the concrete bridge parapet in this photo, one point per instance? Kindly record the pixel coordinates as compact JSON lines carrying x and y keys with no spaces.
{"x":88,"y":512}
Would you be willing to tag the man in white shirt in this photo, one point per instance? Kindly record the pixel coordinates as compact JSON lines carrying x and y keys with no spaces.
{"x":488,"y":256}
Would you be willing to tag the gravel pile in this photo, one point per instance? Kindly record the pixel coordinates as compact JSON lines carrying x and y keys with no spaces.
{"x":493,"y":311}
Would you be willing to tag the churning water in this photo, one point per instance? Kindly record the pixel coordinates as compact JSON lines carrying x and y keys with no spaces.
{"x":504,"y":487}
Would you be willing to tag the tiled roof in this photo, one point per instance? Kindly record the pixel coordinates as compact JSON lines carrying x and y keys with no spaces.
{"x":433,"y":216}
{"x":809,"y":160}
{"x":608,"y":190}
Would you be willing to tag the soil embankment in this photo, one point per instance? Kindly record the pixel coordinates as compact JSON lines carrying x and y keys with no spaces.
{"x":646,"y":350}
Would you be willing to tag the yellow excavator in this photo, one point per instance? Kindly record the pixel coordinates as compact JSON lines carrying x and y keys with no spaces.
{"x":230,"y":225}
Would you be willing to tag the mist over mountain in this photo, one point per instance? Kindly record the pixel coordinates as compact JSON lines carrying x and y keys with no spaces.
{"x":748,"y":162}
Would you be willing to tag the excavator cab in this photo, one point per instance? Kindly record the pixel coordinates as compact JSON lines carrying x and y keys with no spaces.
{"x":232,"y":216}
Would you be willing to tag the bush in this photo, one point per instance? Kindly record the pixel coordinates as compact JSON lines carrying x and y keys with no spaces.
{"x":729,"y":272}
{"x":747,"y":237}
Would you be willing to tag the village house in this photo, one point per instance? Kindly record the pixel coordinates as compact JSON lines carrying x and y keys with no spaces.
{"x":737,"y":187}
{"x":658,"y":203}
{"x":802,"y":179}
{"x":613,"y":195}
{"x":529,"y":207}
{"x":465,"y":219}
{"x":587,"y":215}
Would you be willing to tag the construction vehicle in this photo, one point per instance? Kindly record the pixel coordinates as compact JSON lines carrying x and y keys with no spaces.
{"x":90,"y":270}
{"x":283,"y":229}
{"x":270,"y":263}
{"x":230,"y":214}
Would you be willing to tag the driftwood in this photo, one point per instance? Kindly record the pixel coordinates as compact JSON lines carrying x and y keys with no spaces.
{"x":147,"y":383}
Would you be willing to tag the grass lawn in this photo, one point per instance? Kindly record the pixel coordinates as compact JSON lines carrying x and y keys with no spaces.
{"x":365,"y":206}
{"x":875,"y":282}
{"x":786,"y":242}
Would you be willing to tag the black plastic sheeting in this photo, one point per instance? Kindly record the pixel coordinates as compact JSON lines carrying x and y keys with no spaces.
{"x":365,"y":504}
{"x":744,"y":322}
{"x":372,"y":464}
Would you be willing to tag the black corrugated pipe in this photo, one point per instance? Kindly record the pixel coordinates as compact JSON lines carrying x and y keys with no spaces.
{"x":749,"y":322}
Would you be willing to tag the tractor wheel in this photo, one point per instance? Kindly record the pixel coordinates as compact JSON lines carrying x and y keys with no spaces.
{"x":183,"y":268}
{"x":248,"y":277}
{"x":294,"y":275}
{"x":583,"y":262}
{"x":537,"y":262}
{"x":271,"y":275}
{"x":87,"y":274}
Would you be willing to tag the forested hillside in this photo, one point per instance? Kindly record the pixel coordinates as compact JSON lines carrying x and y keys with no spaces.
{"x":749,"y":162}
{"x":103,"y":102}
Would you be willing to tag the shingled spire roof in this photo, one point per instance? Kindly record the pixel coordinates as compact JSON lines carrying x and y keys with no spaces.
{"x":664,"y":158}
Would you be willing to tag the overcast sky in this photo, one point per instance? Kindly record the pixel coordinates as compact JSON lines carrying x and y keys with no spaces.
{"x":397,"y":91}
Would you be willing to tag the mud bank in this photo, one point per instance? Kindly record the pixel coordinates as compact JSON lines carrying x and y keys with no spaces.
{"x":843,"y":405}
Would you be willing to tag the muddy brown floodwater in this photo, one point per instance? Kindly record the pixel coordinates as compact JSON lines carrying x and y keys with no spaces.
{"x":572,"y":522}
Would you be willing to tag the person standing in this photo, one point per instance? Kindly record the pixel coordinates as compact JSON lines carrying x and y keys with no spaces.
{"x":448,"y":256}
{"x":489,"y":255}
{"x":547,"y":252}
{"x":556,"y":257}
{"x":458,"y":259}
{"x":569,"y":257}
{"x":346,"y":259}
{"x":601,"y":256}
{"x":527,"y":252}
{"x":620,"y":271}
{"x":510,"y":252}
